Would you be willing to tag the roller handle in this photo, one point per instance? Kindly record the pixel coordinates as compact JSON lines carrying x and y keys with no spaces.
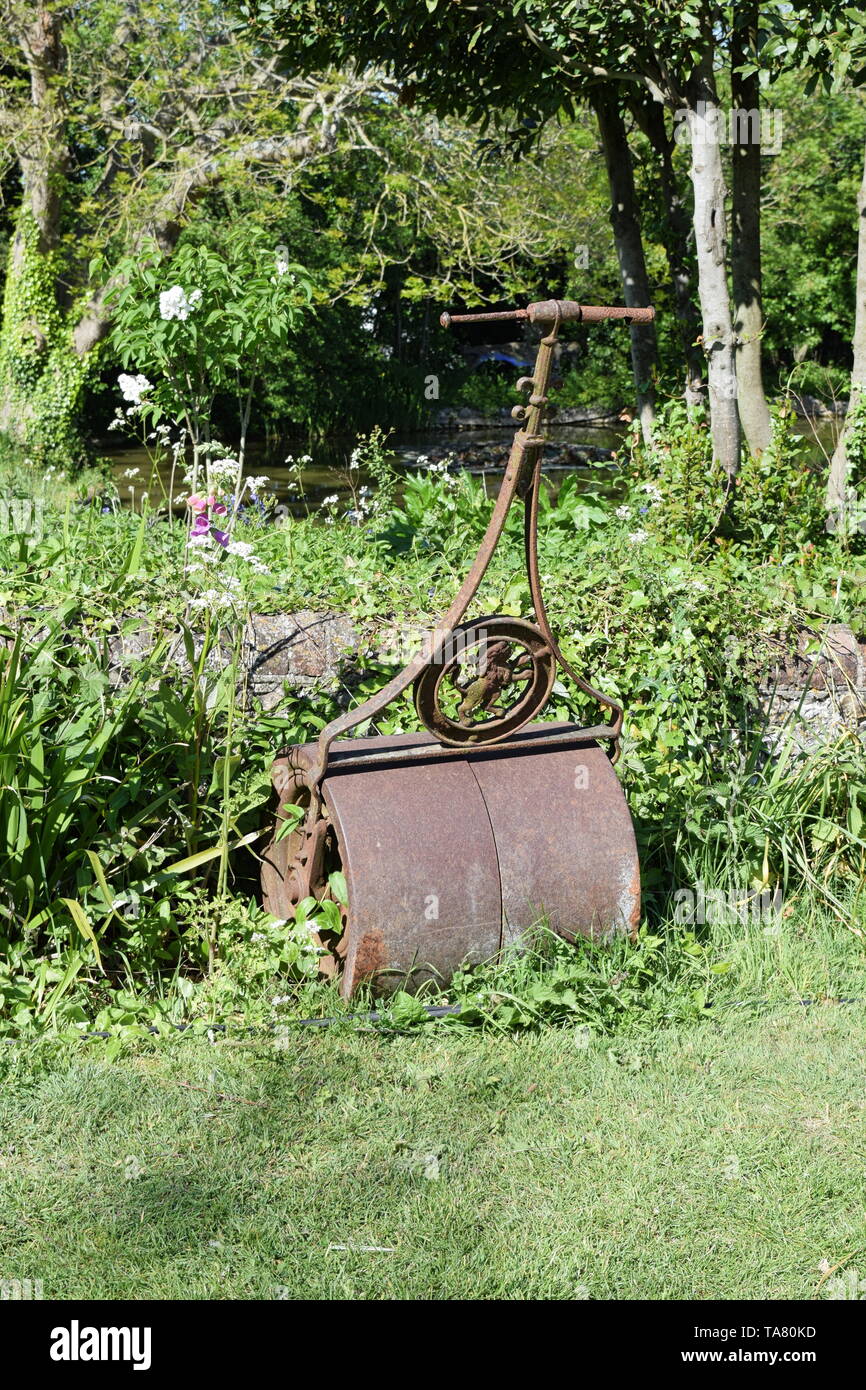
{"x":545,"y":311}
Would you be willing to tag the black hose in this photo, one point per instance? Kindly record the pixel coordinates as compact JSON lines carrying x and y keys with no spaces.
{"x":432,"y":1011}
{"x":374,"y":1016}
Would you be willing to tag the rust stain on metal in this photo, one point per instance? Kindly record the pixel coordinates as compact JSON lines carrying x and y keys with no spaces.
{"x":634,"y":894}
{"x":370,"y":955}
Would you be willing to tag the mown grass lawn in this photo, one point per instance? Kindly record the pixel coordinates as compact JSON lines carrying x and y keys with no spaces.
{"x":724,"y":1160}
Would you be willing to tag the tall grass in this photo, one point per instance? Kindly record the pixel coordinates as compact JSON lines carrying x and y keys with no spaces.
{"x":118,"y":804}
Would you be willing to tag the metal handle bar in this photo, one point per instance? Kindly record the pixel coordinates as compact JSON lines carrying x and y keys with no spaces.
{"x":548,"y":310}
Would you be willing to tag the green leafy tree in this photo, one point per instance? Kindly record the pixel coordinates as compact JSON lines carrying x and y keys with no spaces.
{"x":204,"y":324}
{"x":116,"y":117}
{"x":492,"y":68}
{"x":538,"y":60}
{"x":393,"y":229}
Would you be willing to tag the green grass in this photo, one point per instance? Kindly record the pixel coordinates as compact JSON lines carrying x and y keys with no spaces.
{"x":720,"y":1160}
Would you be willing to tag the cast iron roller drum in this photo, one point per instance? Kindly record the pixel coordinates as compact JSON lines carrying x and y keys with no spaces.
{"x":487,"y":679}
{"x":449,"y":859}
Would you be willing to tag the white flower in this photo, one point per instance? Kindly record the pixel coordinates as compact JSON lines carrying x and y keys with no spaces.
{"x":623,"y":513}
{"x":282,"y":266}
{"x":224,"y":468}
{"x":256,"y":484}
{"x":638,"y":537}
{"x":355,"y":458}
{"x":132,"y":472}
{"x":652,"y":492}
{"x":210,"y":599}
{"x":132,"y":388}
{"x":330,"y":501}
{"x":218,"y":598}
{"x":241,"y":548}
{"x":177,"y":304}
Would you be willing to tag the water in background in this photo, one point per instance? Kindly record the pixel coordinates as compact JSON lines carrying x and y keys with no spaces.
{"x":575,"y":449}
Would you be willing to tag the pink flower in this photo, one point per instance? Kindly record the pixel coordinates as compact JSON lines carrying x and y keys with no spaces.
{"x":218,"y":508}
{"x":198,"y":504}
{"x":200,"y":526}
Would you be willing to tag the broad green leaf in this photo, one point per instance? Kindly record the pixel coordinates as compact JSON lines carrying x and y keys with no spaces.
{"x":82,"y":922}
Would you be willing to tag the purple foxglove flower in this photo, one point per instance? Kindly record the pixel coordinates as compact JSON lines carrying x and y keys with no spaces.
{"x":221,"y":537}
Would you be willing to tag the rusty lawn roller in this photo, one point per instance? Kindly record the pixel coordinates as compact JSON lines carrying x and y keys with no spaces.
{"x":456,"y":841}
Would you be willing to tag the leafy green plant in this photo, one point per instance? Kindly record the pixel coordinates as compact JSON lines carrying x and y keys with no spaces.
{"x":207,"y":323}
{"x":615,"y":987}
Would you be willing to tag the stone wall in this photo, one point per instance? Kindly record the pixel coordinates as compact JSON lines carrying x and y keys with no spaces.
{"x":821,"y":692}
{"x":279,"y":652}
{"x":819,"y":686}
{"x":291,"y":651}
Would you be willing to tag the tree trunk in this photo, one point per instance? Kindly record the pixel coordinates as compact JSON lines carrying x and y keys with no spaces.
{"x":838,"y":492}
{"x":708,"y":183}
{"x":625,"y":221}
{"x":746,"y":219}
{"x":41,"y":379}
{"x":650,"y":115}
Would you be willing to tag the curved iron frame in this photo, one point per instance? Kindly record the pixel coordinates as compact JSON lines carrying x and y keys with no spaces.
{"x":522,"y":479}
